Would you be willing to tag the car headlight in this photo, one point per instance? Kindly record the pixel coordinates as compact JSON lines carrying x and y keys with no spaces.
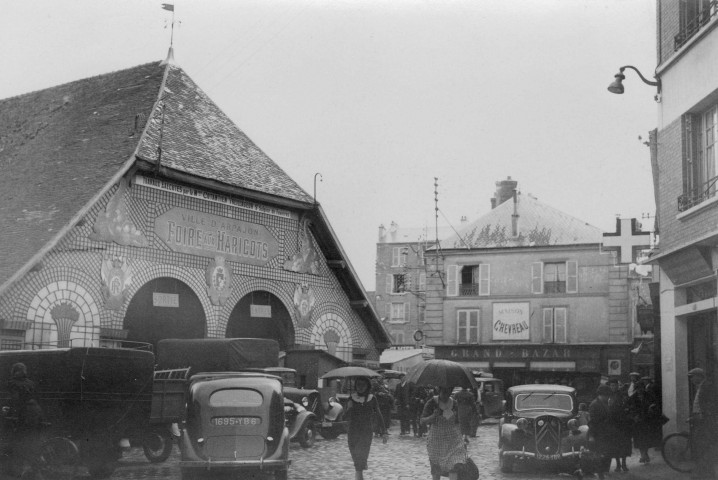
{"x":523,"y":424}
{"x":305,"y":401}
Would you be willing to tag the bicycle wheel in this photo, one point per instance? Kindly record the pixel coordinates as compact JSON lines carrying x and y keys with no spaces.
{"x":676,"y":451}
{"x":59,"y":459}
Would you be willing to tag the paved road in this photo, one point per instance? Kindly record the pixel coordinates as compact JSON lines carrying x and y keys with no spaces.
{"x":402,"y":458}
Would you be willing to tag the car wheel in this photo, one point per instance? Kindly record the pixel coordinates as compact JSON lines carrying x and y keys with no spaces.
{"x":280,"y":475}
{"x":506,"y":463}
{"x":157,"y":445}
{"x":307,"y":434}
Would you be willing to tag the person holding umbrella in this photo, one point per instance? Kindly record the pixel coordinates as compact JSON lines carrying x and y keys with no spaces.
{"x":361,"y":407}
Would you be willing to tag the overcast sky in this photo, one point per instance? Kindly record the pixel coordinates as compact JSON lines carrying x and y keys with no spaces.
{"x":380,"y":97}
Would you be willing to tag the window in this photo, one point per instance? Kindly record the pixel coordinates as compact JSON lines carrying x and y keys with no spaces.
{"x":396,"y":283}
{"x":468,"y":280}
{"x":467,"y":326}
{"x":554,"y":325}
{"x":694,"y":14}
{"x":398,"y":313}
{"x":398,"y":256}
{"x":398,"y":337}
{"x":554,"y":277}
{"x":11,"y":339}
{"x":699,"y":168}
{"x":422,"y":282}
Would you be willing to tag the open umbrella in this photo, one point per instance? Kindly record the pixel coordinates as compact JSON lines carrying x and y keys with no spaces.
{"x":344,"y":372}
{"x":441,"y":373}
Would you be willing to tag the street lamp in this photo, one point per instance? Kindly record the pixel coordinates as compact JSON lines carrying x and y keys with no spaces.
{"x":617,"y":85}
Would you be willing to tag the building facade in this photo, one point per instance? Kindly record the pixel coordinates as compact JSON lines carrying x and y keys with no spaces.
{"x":685,"y":175}
{"x":531,"y":294}
{"x":185,"y":230}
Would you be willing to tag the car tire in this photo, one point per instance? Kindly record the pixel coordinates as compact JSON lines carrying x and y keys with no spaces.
{"x":307,"y":434}
{"x":280,"y":475}
{"x":506,"y":464}
{"x":157,"y":445}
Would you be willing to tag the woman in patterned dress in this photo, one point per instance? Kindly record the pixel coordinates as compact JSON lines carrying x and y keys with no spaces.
{"x":361,"y":407}
{"x":447,"y":452}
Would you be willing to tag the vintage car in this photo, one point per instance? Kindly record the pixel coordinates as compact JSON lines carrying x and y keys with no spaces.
{"x":491,"y":396}
{"x":540,"y":424}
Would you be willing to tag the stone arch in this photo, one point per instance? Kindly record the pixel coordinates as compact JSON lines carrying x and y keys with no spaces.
{"x":154,"y":271}
{"x":331,"y":332}
{"x":64,"y":311}
{"x":247,"y":286}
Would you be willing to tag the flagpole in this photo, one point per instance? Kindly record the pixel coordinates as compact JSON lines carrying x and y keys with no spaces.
{"x":172,"y":29}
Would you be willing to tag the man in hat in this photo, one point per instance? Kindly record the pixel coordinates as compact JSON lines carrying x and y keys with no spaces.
{"x":704,"y":423}
{"x":601,"y":430}
{"x":635,"y":378}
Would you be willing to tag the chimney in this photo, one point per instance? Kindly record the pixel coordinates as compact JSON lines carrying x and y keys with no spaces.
{"x":382,"y":231}
{"x":393,"y":227}
{"x":504,"y":191}
{"x":515,"y":217}
{"x":464,"y":219}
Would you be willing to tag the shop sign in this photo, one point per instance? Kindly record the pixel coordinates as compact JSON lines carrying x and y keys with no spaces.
{"x":512,"y":353}
{"x":511,"y":321}
{"x":165,"y":300}
{"x":260,"y":311}
{"x":197,"y":233}
{"x":206,"y":195}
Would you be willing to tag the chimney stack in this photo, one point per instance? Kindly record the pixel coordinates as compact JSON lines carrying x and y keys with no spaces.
{"x":504,"y":191}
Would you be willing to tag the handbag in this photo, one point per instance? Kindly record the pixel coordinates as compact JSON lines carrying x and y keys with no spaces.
{"x":470,"y":470}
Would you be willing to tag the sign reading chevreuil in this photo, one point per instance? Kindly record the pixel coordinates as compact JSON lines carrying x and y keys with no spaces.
{"x":511,"y":321}
{"x":208,"y":235}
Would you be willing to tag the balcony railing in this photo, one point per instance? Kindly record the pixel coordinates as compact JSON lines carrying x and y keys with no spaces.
{"x":693,"y":26}
{"x":468,"y":289}
{"x":697,"y":195}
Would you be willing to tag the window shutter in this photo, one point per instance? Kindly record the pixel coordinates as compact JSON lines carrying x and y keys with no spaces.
{"x":389,"y":284}
{"x":422,"y":282}
{"x":395,"y":257}
{"x":537,"y":277}
{"x":452,"y":281}
{"x":474,"y":327}
{"x":548,"y":325}
{"x":407,"y":313}
{"x":388,"y":311}
{"x":571,"y":277}
{"x":484,"y":279}
{"x":461,"y":326}
{"x":561,"y":325}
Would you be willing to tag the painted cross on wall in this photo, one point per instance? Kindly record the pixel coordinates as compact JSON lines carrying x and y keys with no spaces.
{"x":627,"y":239}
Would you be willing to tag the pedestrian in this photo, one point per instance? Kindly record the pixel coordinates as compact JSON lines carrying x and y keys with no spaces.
{"x":362,"y":407}
{"x":601,"y":429}
{"x":446,"y":448}
{"x":467,"y":412}
{"x":386,"y":402}
{"x":635,"y":378}
{"x":648,"y":421}
{"x":704,"y":423}
{"x":422,"y":394}
{"x":622,"y":423}
{"x":403,"y":397}
{"x":25,"y":408}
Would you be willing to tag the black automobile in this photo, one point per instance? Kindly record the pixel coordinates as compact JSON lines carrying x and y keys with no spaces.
{"x":540,"y":424}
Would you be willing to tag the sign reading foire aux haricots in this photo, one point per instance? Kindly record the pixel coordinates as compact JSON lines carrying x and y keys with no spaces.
{"x":207,"y":235}
{"x":511,"y":321}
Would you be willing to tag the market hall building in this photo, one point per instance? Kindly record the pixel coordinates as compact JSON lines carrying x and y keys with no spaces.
{"x":133,"y":210}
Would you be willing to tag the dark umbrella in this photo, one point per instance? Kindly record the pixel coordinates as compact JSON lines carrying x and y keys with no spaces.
{"x":344,"y":372}
{"x":441,"y":373}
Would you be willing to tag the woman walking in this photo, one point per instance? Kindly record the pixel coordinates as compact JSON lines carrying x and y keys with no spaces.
{"x":447,"y":452}
{"x":467,"y":412}
{"x":361,"y":408}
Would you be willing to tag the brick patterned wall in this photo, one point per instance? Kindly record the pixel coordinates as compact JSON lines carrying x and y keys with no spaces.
{"x":668,"y":27}
{"x":71,"y":273}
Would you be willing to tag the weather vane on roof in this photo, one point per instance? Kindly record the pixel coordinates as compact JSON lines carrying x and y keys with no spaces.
{"x":170,"y":54}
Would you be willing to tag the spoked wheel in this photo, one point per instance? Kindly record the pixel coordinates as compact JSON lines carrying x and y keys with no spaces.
{"x":307,"y":434}
{"x":59,"y":459}
{"x":676,"y":451}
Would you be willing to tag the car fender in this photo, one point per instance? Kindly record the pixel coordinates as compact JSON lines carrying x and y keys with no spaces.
{"x":301,"y":420}
{"x":333,"y":412}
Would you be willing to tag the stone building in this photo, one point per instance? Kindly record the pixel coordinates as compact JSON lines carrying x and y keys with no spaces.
{"x":530,"y":293}
{"x":135,"y":210}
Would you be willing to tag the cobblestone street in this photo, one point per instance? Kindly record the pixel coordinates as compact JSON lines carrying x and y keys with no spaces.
{"x":402,"y":458}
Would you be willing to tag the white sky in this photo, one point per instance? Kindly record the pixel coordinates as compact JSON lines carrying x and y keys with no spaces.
{"x":380,"y":97}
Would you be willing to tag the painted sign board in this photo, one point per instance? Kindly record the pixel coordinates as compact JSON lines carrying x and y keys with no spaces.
{"x":260,"y":311}
{"x":511,"y":321}
{"x":207,"y":235}
{"x":165,"y":300}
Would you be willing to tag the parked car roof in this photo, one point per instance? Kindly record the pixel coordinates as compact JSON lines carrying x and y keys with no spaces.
{"x":541,"y":387}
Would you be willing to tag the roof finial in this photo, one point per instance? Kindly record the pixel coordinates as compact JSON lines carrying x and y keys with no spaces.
{"x":170,"y":53}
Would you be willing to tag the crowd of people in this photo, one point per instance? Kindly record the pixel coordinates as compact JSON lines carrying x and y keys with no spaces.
{"x":623,"y":417}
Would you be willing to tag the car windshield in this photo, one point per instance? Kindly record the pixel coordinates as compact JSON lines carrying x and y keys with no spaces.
{"x":543,"y":401}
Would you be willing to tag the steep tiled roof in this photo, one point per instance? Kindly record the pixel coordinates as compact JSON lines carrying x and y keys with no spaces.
{"x":538,"y":225}
{"x":200,"y":140}
{"x":59,"y":147}
{"x":62,"y":147}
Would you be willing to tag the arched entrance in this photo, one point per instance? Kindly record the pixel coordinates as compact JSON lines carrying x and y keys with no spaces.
{"x":261,"y":314}
{"x":164,"y":308}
